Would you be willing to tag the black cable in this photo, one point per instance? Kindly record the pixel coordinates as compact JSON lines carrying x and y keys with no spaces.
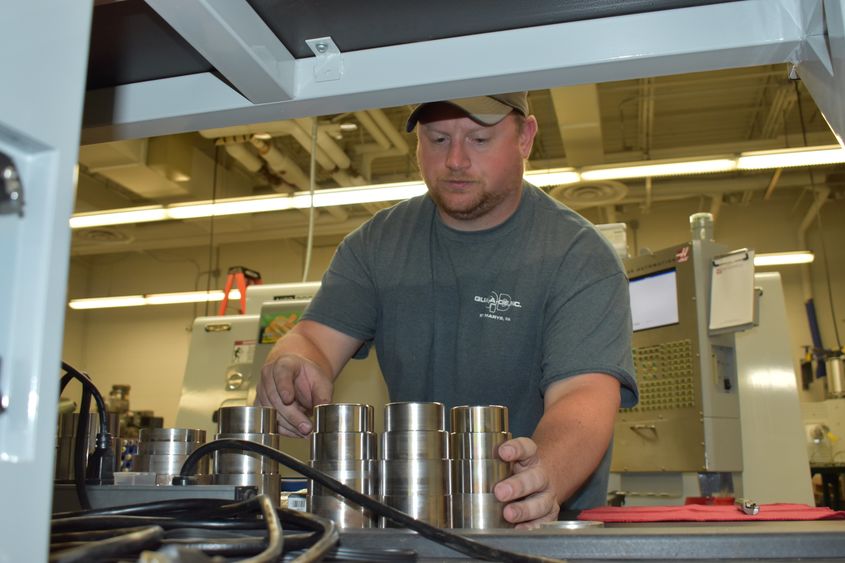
{"x":148,"y":538}
{"x":275,"y":538}
{"x":73,"y":373}
{"x":819,"y":221}
{"x":211,"y":268}
{"x":80,"y":449}
{"x":328,"y":539}
{"x":93,"y":535}
{"x":453,"y":541}
{"x":261,"y":550}
{"x":88,"y":523}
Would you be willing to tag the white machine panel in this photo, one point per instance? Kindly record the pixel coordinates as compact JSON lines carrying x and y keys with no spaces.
{"x":218,"y":369}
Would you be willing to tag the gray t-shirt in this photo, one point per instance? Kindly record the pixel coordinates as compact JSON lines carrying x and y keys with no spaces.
{"x":487,"y":317}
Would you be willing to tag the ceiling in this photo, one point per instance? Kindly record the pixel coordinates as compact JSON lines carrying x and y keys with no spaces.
{"x":682,"y":115}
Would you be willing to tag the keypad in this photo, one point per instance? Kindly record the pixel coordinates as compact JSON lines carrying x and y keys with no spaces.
{"x":664,"y":376}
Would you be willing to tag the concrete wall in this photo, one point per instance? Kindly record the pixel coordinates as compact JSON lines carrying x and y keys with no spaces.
{"x":146,"y":347}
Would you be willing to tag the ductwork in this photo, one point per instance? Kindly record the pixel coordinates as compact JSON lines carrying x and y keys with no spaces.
{"x":815,"y":208}
{"x":330,"y":156}
{"x":282,"y":165}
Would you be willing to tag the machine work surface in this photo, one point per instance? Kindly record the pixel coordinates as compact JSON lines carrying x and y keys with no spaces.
{"x":684,"y":541}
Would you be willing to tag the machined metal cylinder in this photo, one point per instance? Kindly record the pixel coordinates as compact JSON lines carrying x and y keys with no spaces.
{"x":835,"y":380}
{"x":414,"y":468}
{"x":493,"y":418}
{"x":66,"y":438}
{"x":246,"y":420}
{"x":163,"y":451}
{"x":477,"y":433}
{"x":344,"y":446}
{"x":344,"y":417}
{"x":237,"y":463}
{"x":253,"y":424}
{"x":414,"y":416}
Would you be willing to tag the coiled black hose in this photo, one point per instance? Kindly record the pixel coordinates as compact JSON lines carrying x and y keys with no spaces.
{"x":453,"y":541}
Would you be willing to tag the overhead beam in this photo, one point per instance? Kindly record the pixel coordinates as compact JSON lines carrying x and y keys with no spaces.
{"x":712,"y":37}
{"x":822,"y":60}
{"x":237,"y":42}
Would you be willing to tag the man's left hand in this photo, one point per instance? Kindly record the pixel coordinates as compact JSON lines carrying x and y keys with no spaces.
{"x":528,"y":493}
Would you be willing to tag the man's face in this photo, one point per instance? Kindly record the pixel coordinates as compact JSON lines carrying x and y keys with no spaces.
{"x":473,"y":172}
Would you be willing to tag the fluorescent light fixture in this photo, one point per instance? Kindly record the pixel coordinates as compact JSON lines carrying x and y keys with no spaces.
{"x":229,"y":207}
{"x":239,"y":206}
{"x":108,"y":302}
{"x":118,"y":217}
{"x":659,"y":168}
{"x":349,"y":196}
{"x":152,"y":299}
{"x":758,"y":160}
{"x":785,"y":158}
{"x":784,"y":258}
{"x":556,"y":177}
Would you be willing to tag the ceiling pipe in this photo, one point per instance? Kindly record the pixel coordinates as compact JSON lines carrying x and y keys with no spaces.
{"x":326,"y":143}
{"x":396,"y":138}
{"x":246,"y":157}
{"x":381,"y":140}
{"x":815,"y":208}
{"x":715,"y":205}
{"x":274,"y":129}
{"x":275,"y":158}
{"x":281,"y":164}
{"x":399,"y":146}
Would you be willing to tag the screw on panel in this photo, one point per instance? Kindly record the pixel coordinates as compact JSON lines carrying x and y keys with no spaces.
{"x":11,"y":190}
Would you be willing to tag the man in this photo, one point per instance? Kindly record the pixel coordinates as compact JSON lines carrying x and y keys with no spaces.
{"x":484,"y":291}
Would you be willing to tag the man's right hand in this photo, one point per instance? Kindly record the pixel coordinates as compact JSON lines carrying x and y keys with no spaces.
{"x":293,"y":385}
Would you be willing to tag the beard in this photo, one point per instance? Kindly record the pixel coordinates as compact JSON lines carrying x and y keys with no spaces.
{"x":466,"y":209}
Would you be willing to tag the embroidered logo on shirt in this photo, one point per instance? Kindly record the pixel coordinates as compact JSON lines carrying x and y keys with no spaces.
{"x":497,"y":303}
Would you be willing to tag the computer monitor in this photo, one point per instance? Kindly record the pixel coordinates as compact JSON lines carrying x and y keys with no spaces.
{"x":654,"y":300}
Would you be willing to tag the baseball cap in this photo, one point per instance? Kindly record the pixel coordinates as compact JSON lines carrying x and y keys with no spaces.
{"x":487,"y":110}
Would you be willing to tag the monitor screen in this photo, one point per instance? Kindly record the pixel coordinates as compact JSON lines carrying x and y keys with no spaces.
{"x":654,"y":300}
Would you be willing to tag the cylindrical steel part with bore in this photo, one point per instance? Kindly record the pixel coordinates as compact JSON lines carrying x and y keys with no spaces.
{"x":344,"y":446}
{"x":491,"y":418}
{"x":164,"y":450}
{"x":66,"y":435}
{"x":344,"y":417}
{"x":236,"y":463}
{"x":477,"y":433}
{"x":477,"y":445}
{"x":414,"y":416}
{"x":246,"y":420}
{"x":415,"y":444}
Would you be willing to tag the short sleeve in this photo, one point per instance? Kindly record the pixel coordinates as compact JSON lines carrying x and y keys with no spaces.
{"x":346,"y":300}
{"x":588,"y":319}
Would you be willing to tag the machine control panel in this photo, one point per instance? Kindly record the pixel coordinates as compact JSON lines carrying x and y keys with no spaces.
{"x":665,"y":376}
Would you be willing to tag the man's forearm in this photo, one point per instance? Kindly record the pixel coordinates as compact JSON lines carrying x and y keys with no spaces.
{"x":319,"y":344}
{"x":576,"y":430}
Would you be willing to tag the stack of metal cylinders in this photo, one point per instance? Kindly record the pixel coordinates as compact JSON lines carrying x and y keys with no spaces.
{"x":163,"y":451}
{"x":66,"y":439}
{"x":477,"y":433}
{"x":248,"y":469}
{"x":414,"y":474}
{"x":343,"y":445}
